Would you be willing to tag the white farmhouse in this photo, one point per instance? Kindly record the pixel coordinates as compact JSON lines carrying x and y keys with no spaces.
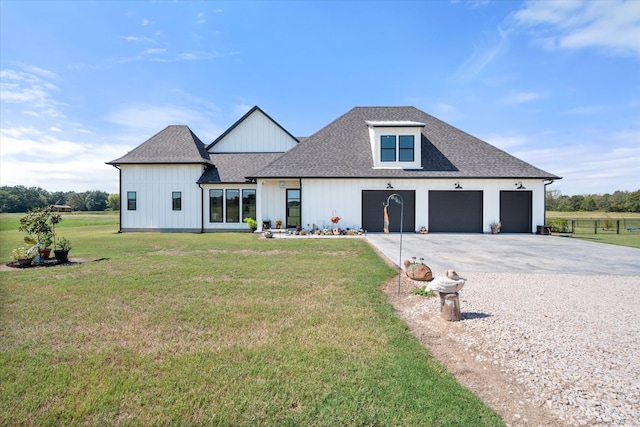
{"x":449,"y":181}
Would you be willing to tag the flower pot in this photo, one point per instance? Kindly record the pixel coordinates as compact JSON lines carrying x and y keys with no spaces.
{"x":45,"y":253}
{"x":24,"y":262}
{"x":61,"y":256}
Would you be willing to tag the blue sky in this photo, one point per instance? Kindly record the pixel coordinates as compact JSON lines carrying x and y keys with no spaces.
{"x":555,"y":83}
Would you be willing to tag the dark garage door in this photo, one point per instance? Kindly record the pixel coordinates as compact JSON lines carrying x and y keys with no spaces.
{"x":373,"y":202}
{"x":455,"y":211}
{"x":515,"y":211}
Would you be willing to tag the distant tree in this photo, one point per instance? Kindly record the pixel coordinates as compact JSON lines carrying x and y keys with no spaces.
{"x":589,"y":204}
{"x":58,"y":198}
{"x":22,"y":199}
{"x":618,"y":201}
{"x":633,"y":202}
{"x":95,"y":200}
{"x":113,"y":202}
{"x":76,"y":201}
{"x":577,"y":203}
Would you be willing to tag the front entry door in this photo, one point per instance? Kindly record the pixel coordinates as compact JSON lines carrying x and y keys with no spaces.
{"x":293,"y":208}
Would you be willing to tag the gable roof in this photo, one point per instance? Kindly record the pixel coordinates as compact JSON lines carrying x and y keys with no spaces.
{"x":242,"y":119}
{"x":174,"y":144}
{"x":342,"y":150}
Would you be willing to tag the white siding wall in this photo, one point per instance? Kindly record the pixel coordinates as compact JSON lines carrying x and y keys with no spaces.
{"x":274,"y":200}
{"x":256,"y":134}
{"x":154,"y":185}
{"x":324,"y":198}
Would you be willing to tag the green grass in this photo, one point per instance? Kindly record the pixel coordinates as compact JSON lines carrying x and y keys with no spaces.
{"x":585,"y":226}
{"x":216,"y":329}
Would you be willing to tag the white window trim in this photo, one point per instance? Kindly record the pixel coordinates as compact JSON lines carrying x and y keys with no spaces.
{"x":378,"y":129}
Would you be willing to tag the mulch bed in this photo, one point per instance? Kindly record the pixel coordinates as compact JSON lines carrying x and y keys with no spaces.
{"x":45,"y":263}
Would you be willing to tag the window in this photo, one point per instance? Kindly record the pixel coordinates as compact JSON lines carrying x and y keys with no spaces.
{"x":248,"y":204}
{"x":176,"y":200}
{"x":388,"y":148}
{"x":215,"y":206}
{"x":233,"y":205}
{"x":293,"y":208}
{"x":131,"y":200}
{"x":405,"y":152}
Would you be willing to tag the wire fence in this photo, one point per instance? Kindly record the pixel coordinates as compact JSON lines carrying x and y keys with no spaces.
{"x":594,"y":225}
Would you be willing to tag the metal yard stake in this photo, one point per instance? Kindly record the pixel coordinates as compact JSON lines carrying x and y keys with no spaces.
{"x":398,"y":199}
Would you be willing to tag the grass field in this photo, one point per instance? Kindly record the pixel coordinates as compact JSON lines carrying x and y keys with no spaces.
{"x":605,"y":230}
{"x":215,"y":329}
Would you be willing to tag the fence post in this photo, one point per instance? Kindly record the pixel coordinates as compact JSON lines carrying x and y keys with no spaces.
{"x":617,"y":226}
{"x":595,"y":227}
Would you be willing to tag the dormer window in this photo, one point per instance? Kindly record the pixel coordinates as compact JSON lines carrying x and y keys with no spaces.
{"x":395,"y":144}
{"x":403,"y":145}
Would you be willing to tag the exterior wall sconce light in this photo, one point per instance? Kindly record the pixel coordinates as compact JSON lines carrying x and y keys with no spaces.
{"x":519,"y":186}
{"x":281,"y":184}
{"x":389,"y":185}
{"x":457,"y":186}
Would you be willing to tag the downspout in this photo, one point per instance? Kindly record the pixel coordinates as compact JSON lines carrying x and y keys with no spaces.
{"x":201,"y":208}
{"x":301,"y":204}
{"x":120,"y":195}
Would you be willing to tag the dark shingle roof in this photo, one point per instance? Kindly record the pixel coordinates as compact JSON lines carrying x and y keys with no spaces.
{"x":342,"y":150}
{"x":234,"y":167}
{"x":174,"y":144}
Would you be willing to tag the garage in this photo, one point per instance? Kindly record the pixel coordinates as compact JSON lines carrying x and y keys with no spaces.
{"x":515,"y":211}
{"x":373,"y":202}
{"x":455,"y":211}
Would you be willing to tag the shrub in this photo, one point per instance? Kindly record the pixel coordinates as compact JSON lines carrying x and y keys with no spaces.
{"x":559,"y":225}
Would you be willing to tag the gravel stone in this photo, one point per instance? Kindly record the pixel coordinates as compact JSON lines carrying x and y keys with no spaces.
{"x":573,"y":341}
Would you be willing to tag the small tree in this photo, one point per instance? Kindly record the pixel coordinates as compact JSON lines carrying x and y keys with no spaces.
{"x":113,"y":202}
{"x":40,"y":222}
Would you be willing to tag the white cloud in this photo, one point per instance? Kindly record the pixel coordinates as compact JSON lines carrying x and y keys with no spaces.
{"x":31,"y":157}
{"x":521,"y":97}
{"x":506,"y":142}
{"x":200,"y":18}
{"x":482,"y":56}
{"x":143,"y":121}
{"x":153,"y":51}
{"x":55,"y":129}
{"x":588,"y":110}
{"x":444,"y":107}
{"x":34,"y":91}
{"x":611,"y":26}
{"x":588,"y":167}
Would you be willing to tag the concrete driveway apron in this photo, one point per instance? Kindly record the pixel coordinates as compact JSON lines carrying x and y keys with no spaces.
{"x":509,"y":253}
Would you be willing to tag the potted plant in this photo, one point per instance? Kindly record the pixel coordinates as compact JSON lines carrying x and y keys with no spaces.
{"x":23,"y":256}
{"x":62,"y":250}
{"x":495,"y":227}
{"x":45,"y":245}
{"x":41,"y":222}
{"x":279,"y":224}
{"x":251,"y":223}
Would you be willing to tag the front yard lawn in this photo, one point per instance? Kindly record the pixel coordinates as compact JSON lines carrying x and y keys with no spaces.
{"x":215,"y":329}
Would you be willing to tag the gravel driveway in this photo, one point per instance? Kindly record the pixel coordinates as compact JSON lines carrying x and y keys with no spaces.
{"x":556,"y":316}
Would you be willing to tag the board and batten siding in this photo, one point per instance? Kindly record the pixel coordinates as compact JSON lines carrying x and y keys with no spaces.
{"x":154,"y":185}
{"x":272,"y":200}
{"x":324,"y":198}
{"x":255,"y":134}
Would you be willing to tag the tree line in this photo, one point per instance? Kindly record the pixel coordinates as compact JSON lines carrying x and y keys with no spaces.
{"x":22,"y":199}
{"x":619,"y":201}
